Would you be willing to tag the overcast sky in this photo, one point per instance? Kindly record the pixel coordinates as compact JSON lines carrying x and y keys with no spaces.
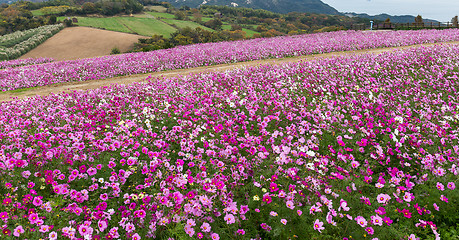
{"x":441,"y":10}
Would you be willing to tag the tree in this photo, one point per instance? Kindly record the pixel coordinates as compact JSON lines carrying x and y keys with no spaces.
{"x":52,"y":19}
{"x":418,"y":20}
{"x":455,"y":22}
{"x":235,"y":27}
{"x":215,"y":24}
{"x":180,"y":15}
{"x":89,"y":7}
{"x":387,"y":20}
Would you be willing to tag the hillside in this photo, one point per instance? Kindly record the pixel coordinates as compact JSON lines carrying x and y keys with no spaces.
{"x":279,"y":6}
{"x":383,"y":17}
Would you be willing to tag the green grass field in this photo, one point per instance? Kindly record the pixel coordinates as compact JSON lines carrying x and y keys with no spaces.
{"x":147,"y":26}
{"x":37,"y":12}
{"x":249,"y":33}
{"x":156,"y":8}
{"x":138,"y":25}
{"x":111,"y":23}
{"x":183,"y":24}
{"x":226,"y":27}
{"x":206,"y":19}
{"x":161,"y":15}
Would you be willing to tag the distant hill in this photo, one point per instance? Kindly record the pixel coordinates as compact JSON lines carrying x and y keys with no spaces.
{"x":383,"y":17}
{"x":278,"y":6}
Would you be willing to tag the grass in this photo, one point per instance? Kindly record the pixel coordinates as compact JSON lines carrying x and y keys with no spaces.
{"x":249,"y":32}
{"x":110,"y":23}
{"x":157,"y":8}
{"x":161,"y":15}
{"x":138,"y":25}
{"x":226,"y":27}
{"x":206,"y":19}
{"x":183,"y":24}
{"x":147,"y":26}
{"x":37,"y":12}
{"x":18,"y":90}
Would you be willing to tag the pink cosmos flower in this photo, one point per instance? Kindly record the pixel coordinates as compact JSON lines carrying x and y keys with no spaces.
{"x":52,"y":235}
{"x":84,"y":230}
{"x":3,"y":216}
{"x":376,"y":220}
{"x":78,"y":211}
{"x":102,"y":225}
{"x":387,"y":220}
{"x":380,"y":211}
{"x":33,"y":218}
{"x":205,"y":227}
{"x":129,"y":227}
{"x":240,"y":231}
{"x":244,"y":209}
{"x":103,"y":197}
{"x":383,"y":198}
{"x":408,"y":197}
{"x":440,"y":186}
{"x":370,"y":230}
{"x":355,"y":164}
{"x":37,"y":201}
{"x":318,"y":225}
{"x":136,"y":236}
{"x":189,"y":230}
{"x":267,"y":199}
{"x":283,"y":221}
{"x":451,"y":185}
{"x":406,"y":213}
{"x":18,"y":231}
{"x":290,"y":204}
{"x":361,"y":221}
{"x":229,"y":218}
{"x":443,"y":198}
{"x":215,"y":236}
{"x":412,"y":237}
{"x":44,"y":228}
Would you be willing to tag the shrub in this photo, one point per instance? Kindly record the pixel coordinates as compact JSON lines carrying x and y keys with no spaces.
{"x":115,"y":50}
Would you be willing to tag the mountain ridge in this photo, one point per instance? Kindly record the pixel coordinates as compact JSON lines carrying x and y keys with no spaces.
{"x":384,"y":16}
{"x":278,"y":6}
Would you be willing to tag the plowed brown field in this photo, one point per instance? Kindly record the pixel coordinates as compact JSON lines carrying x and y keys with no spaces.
{"x":83,"y":42}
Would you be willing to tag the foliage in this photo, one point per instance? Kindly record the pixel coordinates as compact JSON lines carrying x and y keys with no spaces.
{"x":115,"y":50}
{"x":17,"y":17}
{"x":18,"y":43}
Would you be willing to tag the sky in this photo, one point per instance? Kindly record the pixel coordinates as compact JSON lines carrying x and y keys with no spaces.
{"x":441,"y":10}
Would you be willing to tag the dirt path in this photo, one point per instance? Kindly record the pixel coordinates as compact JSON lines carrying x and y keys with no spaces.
{"x":83,"y":42}
{"x":75,"y":86}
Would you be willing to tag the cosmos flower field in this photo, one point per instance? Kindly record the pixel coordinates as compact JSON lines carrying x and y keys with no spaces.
{"x":23,"y":62}
{"x":351,"y":147}
{"x":190,"y":56}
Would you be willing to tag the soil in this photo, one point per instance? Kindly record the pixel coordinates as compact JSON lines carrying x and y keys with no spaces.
{"x":83,"y":42}
{"x":77,"y":86}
